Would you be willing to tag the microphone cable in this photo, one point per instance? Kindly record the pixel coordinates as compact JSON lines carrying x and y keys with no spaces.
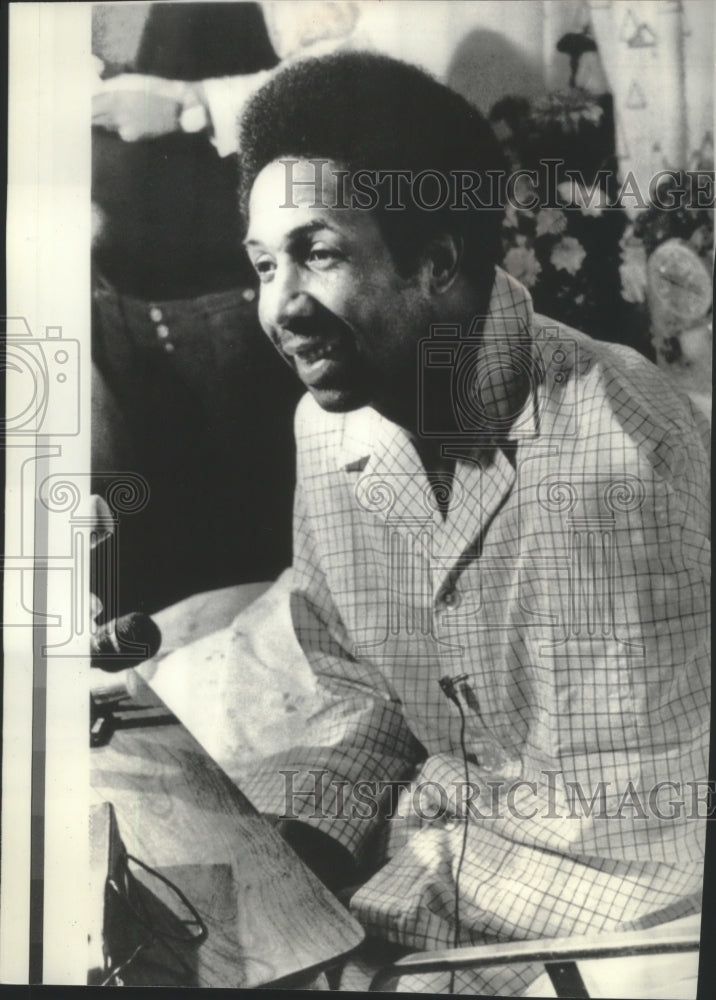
{"x":448,"y":686}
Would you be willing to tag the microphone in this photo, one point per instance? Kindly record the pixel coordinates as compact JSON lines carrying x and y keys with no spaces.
{"x":449,"y":687}
{"x":125,"y":642}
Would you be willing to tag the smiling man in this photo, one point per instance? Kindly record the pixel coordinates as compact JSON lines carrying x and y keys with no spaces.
{"x":500,"y":545}
{"x":332,"y":300}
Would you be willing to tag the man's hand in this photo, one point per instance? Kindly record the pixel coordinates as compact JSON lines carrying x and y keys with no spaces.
{"x":142,"y":107}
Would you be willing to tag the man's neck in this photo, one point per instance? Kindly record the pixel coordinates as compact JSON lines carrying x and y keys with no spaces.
{"x":411,"y":407}
{"x":467,"y":299}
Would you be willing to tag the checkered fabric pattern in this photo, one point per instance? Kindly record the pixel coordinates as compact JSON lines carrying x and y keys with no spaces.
{"x":568,"y":581}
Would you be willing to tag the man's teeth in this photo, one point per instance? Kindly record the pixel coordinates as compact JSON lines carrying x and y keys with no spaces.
{"x":311,"y":354}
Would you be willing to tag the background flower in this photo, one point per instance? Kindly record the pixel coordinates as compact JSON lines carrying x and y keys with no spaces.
{"x":632,"y":272}
{"x":550,"y":221}
{"x":522,"y":264}
{"x":589,"y":201}
{"x":568,"y":255}
{"x":568,"y":249}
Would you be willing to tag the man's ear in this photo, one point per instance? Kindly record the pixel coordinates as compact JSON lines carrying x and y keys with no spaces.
{"x":443,"y":257}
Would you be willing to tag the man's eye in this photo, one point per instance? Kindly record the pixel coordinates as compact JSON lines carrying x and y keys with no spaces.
{"x":264,"y":267}
{"x":319,"y":256}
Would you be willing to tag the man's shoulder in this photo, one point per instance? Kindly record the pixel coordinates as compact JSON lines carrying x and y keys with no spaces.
{"x":582,"y":360}
{"x":613,"y":390}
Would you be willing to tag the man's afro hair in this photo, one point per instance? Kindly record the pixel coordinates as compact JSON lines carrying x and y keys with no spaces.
{"x":369,"y":112}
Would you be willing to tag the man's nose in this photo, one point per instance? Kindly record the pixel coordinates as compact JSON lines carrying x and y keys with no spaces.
{"x":287,"y":298}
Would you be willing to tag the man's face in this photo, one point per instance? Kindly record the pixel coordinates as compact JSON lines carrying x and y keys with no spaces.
{"x":331,"y":299}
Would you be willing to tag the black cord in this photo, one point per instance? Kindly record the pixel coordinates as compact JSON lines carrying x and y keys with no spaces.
{"x":463,"y":748}
{"x":144,"y":920}
{"x":166,"y":935}
{"x":123,"y":965}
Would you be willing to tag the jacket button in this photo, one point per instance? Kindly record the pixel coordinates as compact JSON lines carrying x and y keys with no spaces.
{"x":451,"y":598}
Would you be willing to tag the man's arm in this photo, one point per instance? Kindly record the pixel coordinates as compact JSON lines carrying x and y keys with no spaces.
{"x":356,"y":742}
{"x":139,"y":107}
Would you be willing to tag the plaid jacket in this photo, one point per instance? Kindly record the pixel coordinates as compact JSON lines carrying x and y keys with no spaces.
{"x":567,"y":585}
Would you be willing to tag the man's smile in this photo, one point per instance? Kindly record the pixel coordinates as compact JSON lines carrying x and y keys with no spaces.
{"x":318,"y":346}
{"x":317,"y":359}
{"x":311,"y":349}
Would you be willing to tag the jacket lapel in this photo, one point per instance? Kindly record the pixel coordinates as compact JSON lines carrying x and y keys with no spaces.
{"x":481,"y":487}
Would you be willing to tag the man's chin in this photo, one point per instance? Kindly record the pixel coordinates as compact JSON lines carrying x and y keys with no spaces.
{"x":338,"y":400}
